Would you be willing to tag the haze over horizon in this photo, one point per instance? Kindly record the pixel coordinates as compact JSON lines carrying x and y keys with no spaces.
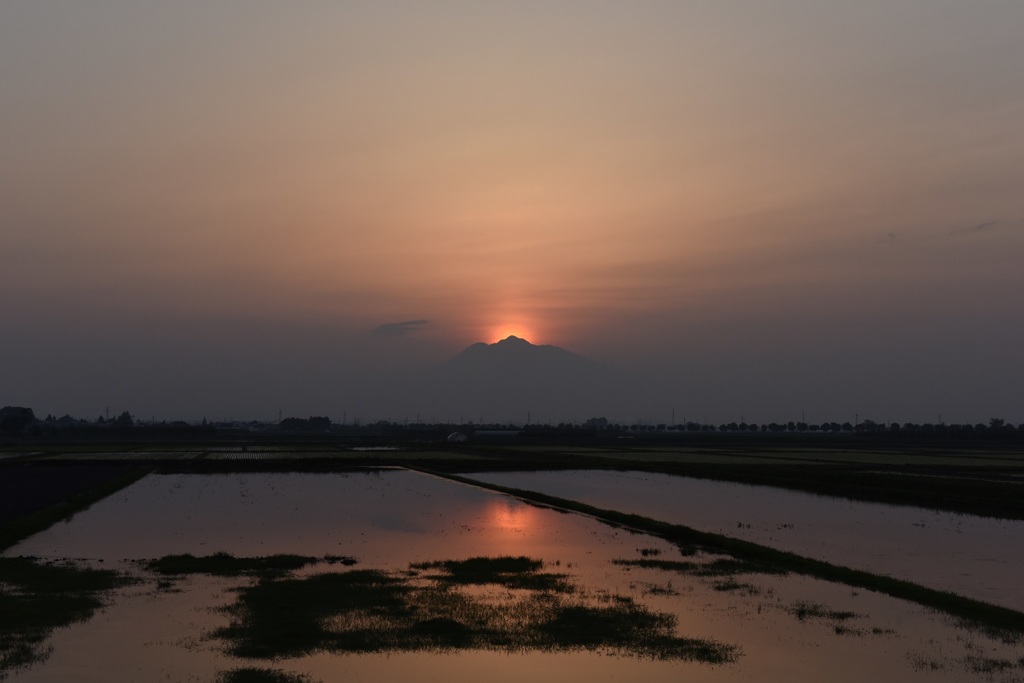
{"x":229,"y":209}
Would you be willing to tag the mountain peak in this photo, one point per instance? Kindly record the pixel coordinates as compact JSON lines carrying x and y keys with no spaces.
{"x":512,"y":339}
{"x":515,"y":351}
{"x":512,"y":378}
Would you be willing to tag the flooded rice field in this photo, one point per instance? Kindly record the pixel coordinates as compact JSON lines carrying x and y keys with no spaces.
{"x":391,"y":575}
{"x":976,"y":557}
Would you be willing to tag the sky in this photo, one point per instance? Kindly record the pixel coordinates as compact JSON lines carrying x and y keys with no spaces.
{"x":762,"y":209}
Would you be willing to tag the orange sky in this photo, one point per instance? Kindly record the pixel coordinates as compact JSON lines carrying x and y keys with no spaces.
{"x":647,"y":183}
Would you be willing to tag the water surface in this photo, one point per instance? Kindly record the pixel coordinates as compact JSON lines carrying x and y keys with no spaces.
{"x":158,"y":630}
{"x":977,"y":557}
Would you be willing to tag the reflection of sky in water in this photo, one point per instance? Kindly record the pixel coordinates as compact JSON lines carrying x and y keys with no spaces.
{"x":383,"y":518}
{"x":973,"y":556}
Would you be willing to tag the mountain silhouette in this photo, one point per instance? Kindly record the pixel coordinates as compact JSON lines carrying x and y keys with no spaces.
{"x":513,"y":380}
{"x":511,"y":357}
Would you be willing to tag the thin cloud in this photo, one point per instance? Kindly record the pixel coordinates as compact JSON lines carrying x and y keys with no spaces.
{"x":399,"y":329}
{"x":985,"y":227}
{"x":980,"y":227}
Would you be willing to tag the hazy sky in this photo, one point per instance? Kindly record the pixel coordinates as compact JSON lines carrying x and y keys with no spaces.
{"x":229,"y":208}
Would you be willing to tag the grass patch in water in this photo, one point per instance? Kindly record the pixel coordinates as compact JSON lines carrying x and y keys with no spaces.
{"x":720,"y":567}
{"x":361,"y":611}
{"x":730,"y":584}
{"x":987,"y":665}
{"x":224,"y":564}
{"x":36,"y":598}
{"x":803,"y":610}
{"x":286,"y":617}
{"x":511,"y":572}
{"x":655,"y":589}
{"x":628,"y":626}
{"x":249,"y":674}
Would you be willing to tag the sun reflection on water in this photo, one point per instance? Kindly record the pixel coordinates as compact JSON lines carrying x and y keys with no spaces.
{"x":511,"y":516}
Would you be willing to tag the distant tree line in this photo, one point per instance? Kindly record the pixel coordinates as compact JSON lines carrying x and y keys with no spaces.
{"x":20,"y":421}
{"x":996,"y":427}
{"x":15,"y":421}
{"x":312,"y":424}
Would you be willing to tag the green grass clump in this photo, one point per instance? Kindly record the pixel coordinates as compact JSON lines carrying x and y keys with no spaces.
{"x":362,"y":611}
{"x":224,"y":564}
{"x":36,"y":598}
{"x":287,"y":617}
{"x":629,"y":627}
{"x":508,"y":571}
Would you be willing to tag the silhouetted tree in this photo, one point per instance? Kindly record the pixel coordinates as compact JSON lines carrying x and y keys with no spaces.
{"x":319,"y":423}
{"x":14,"y":419}
{"x":867,"y":426}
